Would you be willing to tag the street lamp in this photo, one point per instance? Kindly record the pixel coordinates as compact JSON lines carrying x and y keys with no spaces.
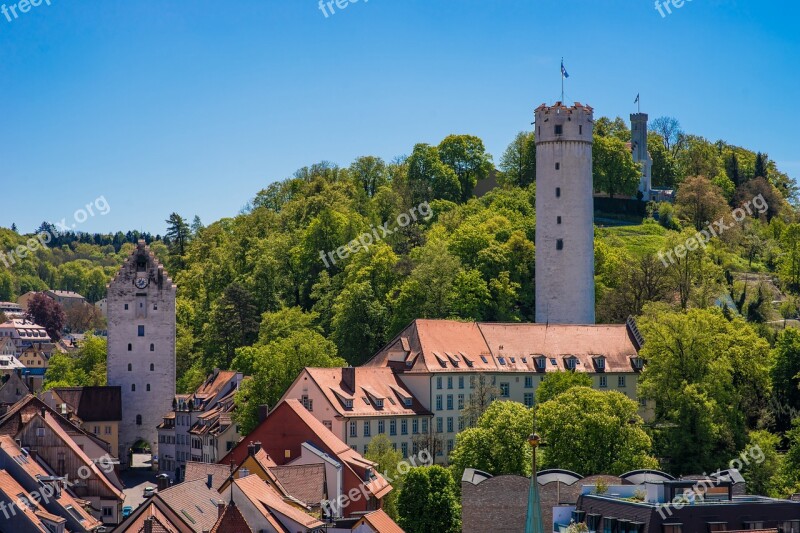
{"x":533,"y":520}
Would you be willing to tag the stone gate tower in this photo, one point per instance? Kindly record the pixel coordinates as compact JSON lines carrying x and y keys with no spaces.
{"x":564,"y":215}
{"x":141,"y":346}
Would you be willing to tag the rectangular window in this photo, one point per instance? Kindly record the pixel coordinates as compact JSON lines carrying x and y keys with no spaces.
{"x":559,"y":129}
{"x":449,"y":402}
{"x":381,"y":427}
{"x":505,"y":390}
{"x":558,"y":166}
{"x":141,"y":331}
{"x":425,"y":425}
{"x":559,"y":244}
{"x":449,"y":382}
{"x":328,"y":424}
{"x":108,"y":511}
{"x":449,"y":445}
{"x":461,"y":423}
{"x":460,"y":401}
{"x":353,"y":429}
{"x":449,"y":424}
{"x":366,"y":428}
{"x":580,"y":130}
{"x":621,"y":381}
{"x":404,"y":427}
{"x":528,"y":382}
{"x":528,"y":399}
{"x":558,"y":192}
{"x":404,"y":449}
{"x":558,"y":220}
{"x":603,"y":382}
{"x":392,"y":427}
{"x":439,"y":382}
{"x":438,"y":402}
{"x":460,"y":382}
{"x":415,"y":426}
{"x":439,"y":424}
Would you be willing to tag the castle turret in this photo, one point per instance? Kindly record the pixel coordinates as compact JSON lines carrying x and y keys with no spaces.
{"x":564,"y":215}
{"x":640,"y":153}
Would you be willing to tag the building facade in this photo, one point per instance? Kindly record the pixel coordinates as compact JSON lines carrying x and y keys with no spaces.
{"x":564,"y":215}
{"x":641,"y":155}
{"x":141,"y":347}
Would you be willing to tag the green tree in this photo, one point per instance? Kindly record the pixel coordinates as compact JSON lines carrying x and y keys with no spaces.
{"x":790,"y":260}
{"x":179,"y":233}
{"x":275,"y":366}
{"x":613,"y":167}
{"x":429,"y":178}
{"x":6,"y":286}
{"x":700,"y":202}
{"x":665,"y":170}
{"x":429,"y":501}
{"x":370,"y":174}
{"x":233,"y":323}
{"x":556,"y":383}
{"x":388,"y":459}
{"x":763,"y":476}
{"x":785,"y":374}
{"x":518,"y":162}
{"x":498,"y":444}
{"x":594,"y":432}
{"x":47,"y":313}
{"x":466,"y":155}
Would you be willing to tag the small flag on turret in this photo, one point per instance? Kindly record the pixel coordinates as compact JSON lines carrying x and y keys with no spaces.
{"x":637,"y":99}
{"x":564,"y":72}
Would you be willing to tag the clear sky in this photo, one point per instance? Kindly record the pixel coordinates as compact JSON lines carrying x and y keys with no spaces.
{"x":194,"y":106}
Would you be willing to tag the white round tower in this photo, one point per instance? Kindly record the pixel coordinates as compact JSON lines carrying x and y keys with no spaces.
{"x":564,"y":215}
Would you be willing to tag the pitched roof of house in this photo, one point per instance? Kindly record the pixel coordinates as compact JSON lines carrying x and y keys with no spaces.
{"x":303,"y":482}
{"x":164,"y":519}
{"x":219,"y":473}
{"x":22,"y":412}
{"x":380,"y":522}
{"x":231,"y":521}
{"x":194,"y":502}
{"x":34,"y":511}
{"x":93,"y":404}
{"x":378,"y":392}
{"x":429,"y":345}
{"x":66,"y":294}
{"x":269,"y":501}
{"x":34,"y":471}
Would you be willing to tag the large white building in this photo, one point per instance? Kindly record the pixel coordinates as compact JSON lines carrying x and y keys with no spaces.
{"x":564,"y":215}
{"x":141,"y":346}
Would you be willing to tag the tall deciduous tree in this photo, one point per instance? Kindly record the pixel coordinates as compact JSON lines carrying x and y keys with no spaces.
{"x":370,"y":174}
{"x":556,"y":383}
{"x":429,"y":501}
{"x":466,"y":155}
{"x":700,"y":202}
{"x":47,"y":313}
{"x":388,"y":459}
{"x":594,"y":432}
{"x":233,"y":323}
{"x":613,"y":167}
{"x":785,"y":375}
{"x":518,"y":162}
{"x":429,"y":178}
{"x":670,"y":131}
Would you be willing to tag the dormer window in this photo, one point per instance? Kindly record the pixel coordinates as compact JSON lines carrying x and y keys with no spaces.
{"x":570,"y":362}
{"x":637,"y":362}
{"x":379,"y":403}
{"x":599,"y":362}
{"x":348,"y":404}
{"x":407,"y":402}
{"x":541,"y":363}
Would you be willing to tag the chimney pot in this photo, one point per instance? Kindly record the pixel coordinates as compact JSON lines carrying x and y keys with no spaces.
{"x":221,"y":507}
{"x":257,"y":446}
{"x":251,"y":449}
{"x":263,"y":411}
{"x":148,"y":525}
{"x":349,"y":378}
{"x":210,"y":481}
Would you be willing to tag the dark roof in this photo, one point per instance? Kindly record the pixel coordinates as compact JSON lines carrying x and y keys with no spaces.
{"x":303,"y":482}
{"x":93,"y":404}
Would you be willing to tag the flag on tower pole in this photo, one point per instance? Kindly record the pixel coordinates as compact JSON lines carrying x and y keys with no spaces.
{"x":564,"y":74}
{"x":638,"y":101}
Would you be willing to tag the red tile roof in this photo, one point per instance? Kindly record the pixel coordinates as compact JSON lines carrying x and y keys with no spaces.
{"x":267,"y":500}
{"x":380,"y":522}
{"x":231,"y":521}
{"x":302,"y":482}
{"x":373,"y":385}
{"x":449,"y":346}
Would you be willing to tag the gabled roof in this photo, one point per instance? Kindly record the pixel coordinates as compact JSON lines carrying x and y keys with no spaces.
{"x":231,"y":521}
{"x":303,"y":482}
{"x":93,"y":404}
{"x":34,"y":472}
{"x":33,"y":512}
{"x":219,"y":473}
{"x":379,"y":521}
{"x":267,"y":501}
{"x":428,"y":346}
{"x":373,"y":386}
{"x":194,"y":502}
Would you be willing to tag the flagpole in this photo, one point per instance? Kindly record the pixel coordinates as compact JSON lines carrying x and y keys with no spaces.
{"x":562,"y":80}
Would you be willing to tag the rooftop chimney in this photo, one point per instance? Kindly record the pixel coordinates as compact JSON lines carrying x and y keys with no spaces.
{"x":148,"y":525}
{"x":210,"y":481}
{"x":221,"y":507}
{"x":263,"y":411}
{"x":251,"y":449}
{"x":349,"y":378}
{"x":257,"y":446}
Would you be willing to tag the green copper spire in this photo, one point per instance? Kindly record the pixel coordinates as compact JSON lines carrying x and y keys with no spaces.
{"x":533,"y":520}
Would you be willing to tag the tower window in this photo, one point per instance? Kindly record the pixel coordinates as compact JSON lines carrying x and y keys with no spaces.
{"x":130,"y":367}
{"x":141,"y":331}
{"x":560,"y":244}
{"x":559,"y":129}
{"x":558,"y":166}
{"x":152,"y":367}
{"x":138,"y":420}
{"x":133,"y":387}
{"x":130,"y":347}
{"x":558,"y":192}
{"x":558,"y":220}
{"x":580,"y":130}
{"x":147,"y":387}
{"x":126,"y":307}
{"x":152,"y":347}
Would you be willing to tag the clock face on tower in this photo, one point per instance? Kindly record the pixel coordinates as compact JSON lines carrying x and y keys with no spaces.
{"x":141,"y":283}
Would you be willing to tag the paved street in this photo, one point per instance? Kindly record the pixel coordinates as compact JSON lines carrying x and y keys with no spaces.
{"x":136,"y":479}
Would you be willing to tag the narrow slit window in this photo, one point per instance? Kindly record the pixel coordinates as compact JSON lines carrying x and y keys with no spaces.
{"x":558,"y":220}
{"x":558,"y":192}
{"x":559,"y":129}
{"x":558,"y":166}
{"x":560,"y":244}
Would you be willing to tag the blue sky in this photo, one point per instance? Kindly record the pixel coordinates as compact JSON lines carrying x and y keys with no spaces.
{"x":194,"y":106}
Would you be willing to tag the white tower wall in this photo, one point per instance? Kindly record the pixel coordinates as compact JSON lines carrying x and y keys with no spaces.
{"x":564,"y":215}
{"x":640,"y":153}
{"x":141,"y":333}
